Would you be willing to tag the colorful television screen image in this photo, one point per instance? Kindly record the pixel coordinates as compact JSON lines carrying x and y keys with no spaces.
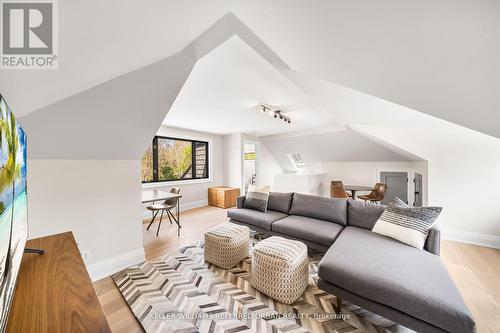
{"x":13,"y":205}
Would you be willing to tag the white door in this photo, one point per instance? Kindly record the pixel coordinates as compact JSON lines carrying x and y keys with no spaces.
{"x":250,"y":164}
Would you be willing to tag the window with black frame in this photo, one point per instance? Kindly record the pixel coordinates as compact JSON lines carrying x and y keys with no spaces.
{"x":171,"y":159}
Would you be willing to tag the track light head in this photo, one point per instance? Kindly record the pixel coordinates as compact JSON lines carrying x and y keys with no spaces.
{"x":274,"y":113}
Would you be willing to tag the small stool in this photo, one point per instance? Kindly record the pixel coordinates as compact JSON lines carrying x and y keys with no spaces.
{"x":227,"y":245}
{"x":280,"y":268}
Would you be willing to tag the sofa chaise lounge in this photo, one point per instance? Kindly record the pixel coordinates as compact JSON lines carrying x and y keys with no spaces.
{"x":406,"y":285}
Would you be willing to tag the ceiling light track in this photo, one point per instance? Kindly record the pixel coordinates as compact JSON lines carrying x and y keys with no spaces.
{"x":277,"y":114}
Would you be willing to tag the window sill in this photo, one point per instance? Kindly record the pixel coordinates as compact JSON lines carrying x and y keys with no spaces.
{"x":176,"y":182}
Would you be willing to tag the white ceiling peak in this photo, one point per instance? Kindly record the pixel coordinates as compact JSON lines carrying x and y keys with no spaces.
{"x":224,"y":92}
{"x":225,"y":28}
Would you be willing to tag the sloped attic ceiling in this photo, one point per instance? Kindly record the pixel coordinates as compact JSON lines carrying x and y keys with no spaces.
{"x":339,"y":146}
{"x":225,"y":89}
{"x":435,"y":56}
{"x":102,"y":40}
{"x":118,"y":118}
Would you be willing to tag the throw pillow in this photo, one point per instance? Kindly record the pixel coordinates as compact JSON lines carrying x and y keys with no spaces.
{"x":409,"y":225}
{"x":256,"y":201}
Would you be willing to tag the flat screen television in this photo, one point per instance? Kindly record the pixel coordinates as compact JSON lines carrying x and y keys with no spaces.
{"x":13,"y":206}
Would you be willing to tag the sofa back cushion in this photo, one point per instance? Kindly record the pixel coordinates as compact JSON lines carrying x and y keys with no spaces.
{"x":363,"y":214}
{"x":280,"y":202}
{"x":322,"y":208}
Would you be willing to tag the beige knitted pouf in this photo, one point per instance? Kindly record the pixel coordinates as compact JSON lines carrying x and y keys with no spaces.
{"x":280,"y":268}
{"x":227,"y":245}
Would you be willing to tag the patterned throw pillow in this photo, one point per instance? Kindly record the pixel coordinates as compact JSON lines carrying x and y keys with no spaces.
{"x":256,"y":200}
{"x":409,"y":225}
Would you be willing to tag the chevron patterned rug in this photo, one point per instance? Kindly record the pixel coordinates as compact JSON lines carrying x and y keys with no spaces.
{"x":181,"y":293}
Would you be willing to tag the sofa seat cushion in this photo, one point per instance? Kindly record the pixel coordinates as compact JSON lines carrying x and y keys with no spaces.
{"x":255,"y":217}
{"x":386,"y":271}
{"x":313,"y":230}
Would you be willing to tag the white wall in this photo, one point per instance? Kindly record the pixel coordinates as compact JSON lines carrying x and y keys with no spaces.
{"x":195,"y":194}
{"x":233,"y":161}
{"x":463,"y":176}
{"x":268,"y":167}
{"x":307,"y":183}
{"x":99,"y":200}
{"x":368,"y":173}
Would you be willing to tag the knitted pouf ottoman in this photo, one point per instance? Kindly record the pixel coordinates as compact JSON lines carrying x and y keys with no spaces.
{"x":227,"y":245}
{"x":280,"y":268}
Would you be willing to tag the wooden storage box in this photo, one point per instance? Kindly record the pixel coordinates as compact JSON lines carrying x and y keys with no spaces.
{"x":223,"y":196}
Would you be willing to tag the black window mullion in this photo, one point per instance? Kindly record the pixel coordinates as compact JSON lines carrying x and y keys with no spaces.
{"x":206,"y":160}
{"x":193,"y":159}
{"x":155,"y":159}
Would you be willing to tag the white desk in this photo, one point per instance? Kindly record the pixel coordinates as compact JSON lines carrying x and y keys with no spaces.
{"x":151,"y":196}
{"x":157,"y":195}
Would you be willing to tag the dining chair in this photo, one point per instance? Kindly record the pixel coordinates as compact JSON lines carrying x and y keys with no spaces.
{"x":337,"y":190}
{"x":165,"y":206}
{"x":376,"y":195}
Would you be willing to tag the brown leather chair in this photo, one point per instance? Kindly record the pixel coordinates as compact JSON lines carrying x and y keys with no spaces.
{"x":337,"y":190}
{"x":376,"y":195}
{"x":165,"y":206}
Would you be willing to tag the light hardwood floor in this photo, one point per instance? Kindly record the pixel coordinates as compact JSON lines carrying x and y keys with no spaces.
{"x":475,"y":270}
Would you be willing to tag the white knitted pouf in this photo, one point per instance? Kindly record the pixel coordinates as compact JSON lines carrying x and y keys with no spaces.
{"x":227,"y":245}
{"x":280,"y":268}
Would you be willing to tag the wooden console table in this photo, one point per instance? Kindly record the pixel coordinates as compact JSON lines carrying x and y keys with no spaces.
{"x":223,"y":196}
{"x":54,"y":292}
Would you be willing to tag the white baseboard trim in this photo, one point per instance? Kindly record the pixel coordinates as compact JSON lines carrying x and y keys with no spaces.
{"x":471,"y":237}
{"x":107,"y":267}
{"x":184,"y":206}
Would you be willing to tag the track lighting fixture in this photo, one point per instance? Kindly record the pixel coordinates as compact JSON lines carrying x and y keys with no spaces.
{"x":275,"y":113}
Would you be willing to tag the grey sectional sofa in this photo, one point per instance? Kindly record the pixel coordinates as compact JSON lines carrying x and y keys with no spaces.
{"x":404,"y":284}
